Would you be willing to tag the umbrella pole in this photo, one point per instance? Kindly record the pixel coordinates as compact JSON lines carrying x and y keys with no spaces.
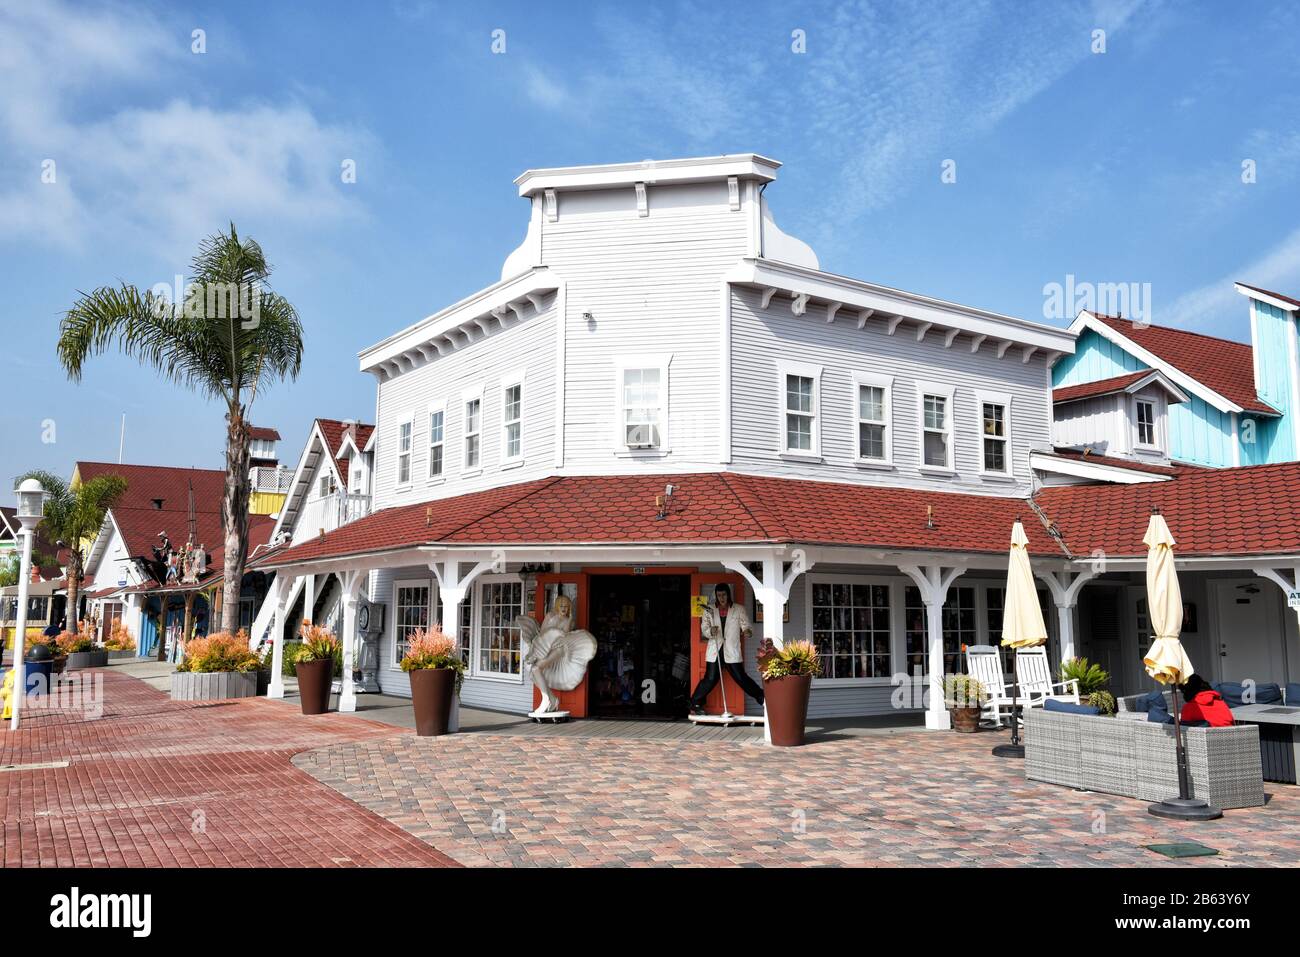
{"x":1015,"y":749}
{"x":1184,"y":807}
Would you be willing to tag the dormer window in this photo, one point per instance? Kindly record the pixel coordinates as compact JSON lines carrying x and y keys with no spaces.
{"x":1145,"y":417}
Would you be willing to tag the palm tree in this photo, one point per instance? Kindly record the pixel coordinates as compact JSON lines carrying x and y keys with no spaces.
{"x":72,"y":518}
{"x":231,"y":335}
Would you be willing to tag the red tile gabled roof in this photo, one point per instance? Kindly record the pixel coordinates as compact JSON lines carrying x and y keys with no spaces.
{"x":264,"y":433}
{"x":334,"y":431}
{"x":1088,"y":390}
{"x":1223,"y":365}
{"x":1235,"y":511}
{"x":144,"y":483}
{"x":706,"y":508}
{"x":1113,"y":461}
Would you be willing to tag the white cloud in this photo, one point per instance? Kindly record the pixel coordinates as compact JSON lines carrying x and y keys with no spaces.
{"x":1217,"y":302}
{"x":159,"y":173}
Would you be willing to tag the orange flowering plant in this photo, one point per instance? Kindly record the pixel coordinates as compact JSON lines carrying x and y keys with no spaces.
{"x":432,"y":648}
{"x":220,"y":651}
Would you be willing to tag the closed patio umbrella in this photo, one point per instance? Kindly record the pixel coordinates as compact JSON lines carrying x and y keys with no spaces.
{"x":1167,"y":660}
{"x":1022,"y":624}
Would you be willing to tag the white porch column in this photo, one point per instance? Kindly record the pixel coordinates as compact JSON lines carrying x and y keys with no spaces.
{"x":772,"y":591}
{"x":309,"y":598}
{"x":278,"y":598}
{"x":933,"y":581}
{"x":1065,"y":587}
{"x":352,"y":582}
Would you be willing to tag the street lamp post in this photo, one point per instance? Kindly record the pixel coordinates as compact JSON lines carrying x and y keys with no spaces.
{"x":31,"y":499}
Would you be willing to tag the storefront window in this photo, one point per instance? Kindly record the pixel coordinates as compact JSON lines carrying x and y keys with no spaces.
{"x":500,"y":603}
{"x":38,"y":610}
{"x":959,"y":628}
{"x":9,"y":608}
{"x":412,"y":614}
{"x":851,"y":629}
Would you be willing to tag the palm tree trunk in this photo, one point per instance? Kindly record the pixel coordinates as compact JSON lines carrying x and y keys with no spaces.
{"x":74,"y":587}
{"x":234,"y":515}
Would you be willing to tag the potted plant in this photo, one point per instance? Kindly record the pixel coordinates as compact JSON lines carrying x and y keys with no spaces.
{"x":1091,"y":677}
{"x":315,"y":668}
{"x":80,"y":651}
{"x":216,"y":667}
{"x":436,"y":671}
{"x":119,"y":644}
{"x":787,"y":680}
{"x":963,"y":694}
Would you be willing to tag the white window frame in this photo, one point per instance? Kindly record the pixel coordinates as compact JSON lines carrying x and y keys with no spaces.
{"x":897,"y":623}
{"x":886,"y":384}
{"x":466,"y":397}
{"x":1155,"y":445}
{"x":408,"y":421}
{"x":948,"y":392}
{"x":785,"y":369}
{"x":435,"y":408}
{"x":1003,"y":399}
{"x":476,"y":627}
{"x":395,"y":663}
{"x":622,"y":365}
{"x":513,"y":381}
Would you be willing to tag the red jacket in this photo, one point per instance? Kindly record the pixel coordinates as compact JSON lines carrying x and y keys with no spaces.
{"x":1208,"y":706}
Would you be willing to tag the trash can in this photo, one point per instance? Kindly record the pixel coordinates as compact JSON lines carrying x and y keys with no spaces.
{"x":39,"y":669}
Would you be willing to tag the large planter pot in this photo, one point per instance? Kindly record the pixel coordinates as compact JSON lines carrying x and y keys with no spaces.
{"x":433,"y":691}
{"x":119,"y":655}
{"x":213,"y":685}
{"x":314,"y":678}
{"x":95,"y":658}
{"x":787,"y":709}
{"x":966,"y":720}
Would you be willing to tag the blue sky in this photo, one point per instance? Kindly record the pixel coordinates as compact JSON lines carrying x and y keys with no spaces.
{"x":1122,"y":166}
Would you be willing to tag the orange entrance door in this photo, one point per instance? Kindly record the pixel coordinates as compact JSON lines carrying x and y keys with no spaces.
{"x":549,"y":587}
{"x":702,"y":585}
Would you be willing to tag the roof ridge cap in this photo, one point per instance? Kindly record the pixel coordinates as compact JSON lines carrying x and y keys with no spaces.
{"x":726,"y":480}
{"x":543,"y":483}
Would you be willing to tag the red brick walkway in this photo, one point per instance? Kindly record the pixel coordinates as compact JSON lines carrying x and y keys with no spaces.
{"x":157,"y":783}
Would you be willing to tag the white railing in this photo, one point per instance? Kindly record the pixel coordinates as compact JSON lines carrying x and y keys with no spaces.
{"x":271,"y":479}
{"x":350,"y":506}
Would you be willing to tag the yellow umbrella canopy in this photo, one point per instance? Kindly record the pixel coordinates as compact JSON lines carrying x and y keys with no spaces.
{"x":1022,"y":617}
{"x":1166,"y":661}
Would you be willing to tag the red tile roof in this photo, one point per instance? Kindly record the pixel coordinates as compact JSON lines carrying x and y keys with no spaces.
{"x":1269,"y":292}
{"x":145,"y":483}
{"x":259,"y":533}
{"x":1116,"y":462}
{"x":262,"y":432}
{"x":1223,"y":365}
{"x":707,"y":508}
{"x":1237,"y":511}
{"x":1088,"y":390}
{"x":334,"y":430}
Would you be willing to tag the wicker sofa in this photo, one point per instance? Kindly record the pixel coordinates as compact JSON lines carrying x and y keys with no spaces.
{"x":1138,"y":759}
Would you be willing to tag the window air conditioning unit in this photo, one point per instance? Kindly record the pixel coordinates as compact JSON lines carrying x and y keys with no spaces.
{"x":642,"y":436}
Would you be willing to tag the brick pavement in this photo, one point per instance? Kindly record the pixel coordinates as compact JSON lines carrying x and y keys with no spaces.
{"x":154,"y":782}
{"x":907,"y":798}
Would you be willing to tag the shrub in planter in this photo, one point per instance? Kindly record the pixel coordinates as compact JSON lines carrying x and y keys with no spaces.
{"x":119,"y":644}
{"x":963,"y":695}
{"x":220,"y":665}
{"x":787,"y":680}
{"x":315,"y":668}
{"x":80,"y":651}
{"x":1091,"y":677}
{"x":436,"y":672}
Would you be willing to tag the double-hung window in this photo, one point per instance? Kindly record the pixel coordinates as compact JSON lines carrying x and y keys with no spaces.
{"x":404,"y":430}
{"x":995,"y":433}
{"x":437,"y":438}
{"x":935,"y":411}
{"x":873,"y":411}
{"x":473,"y":432}
{"x":1145,"y":419}
{"x":642,"y":389}
{"x":799,"y":389}
{"x":512,"y":421}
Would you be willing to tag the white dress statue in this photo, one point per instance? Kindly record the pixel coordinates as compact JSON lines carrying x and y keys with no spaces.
{"x":557,"y":654}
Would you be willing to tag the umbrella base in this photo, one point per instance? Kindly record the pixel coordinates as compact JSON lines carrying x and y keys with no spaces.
{"x":1185,"y":809}
{"x":1009,"y":751}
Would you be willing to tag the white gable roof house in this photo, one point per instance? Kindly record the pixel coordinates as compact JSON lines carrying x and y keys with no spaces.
{"x":665,"y":393}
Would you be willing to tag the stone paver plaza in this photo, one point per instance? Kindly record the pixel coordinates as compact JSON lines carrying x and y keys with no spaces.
{"x":254,"y":782}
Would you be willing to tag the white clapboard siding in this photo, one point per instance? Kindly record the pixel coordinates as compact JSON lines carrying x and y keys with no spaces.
{"x":1100,"y":423}
{"x":761,"y":337}
{"x":527,"y":347}
{"x":652,"y":286}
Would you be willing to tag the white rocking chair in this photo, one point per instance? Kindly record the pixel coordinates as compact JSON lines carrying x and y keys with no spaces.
{"x":984,"y":664}
{"x":1034,"y":675}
